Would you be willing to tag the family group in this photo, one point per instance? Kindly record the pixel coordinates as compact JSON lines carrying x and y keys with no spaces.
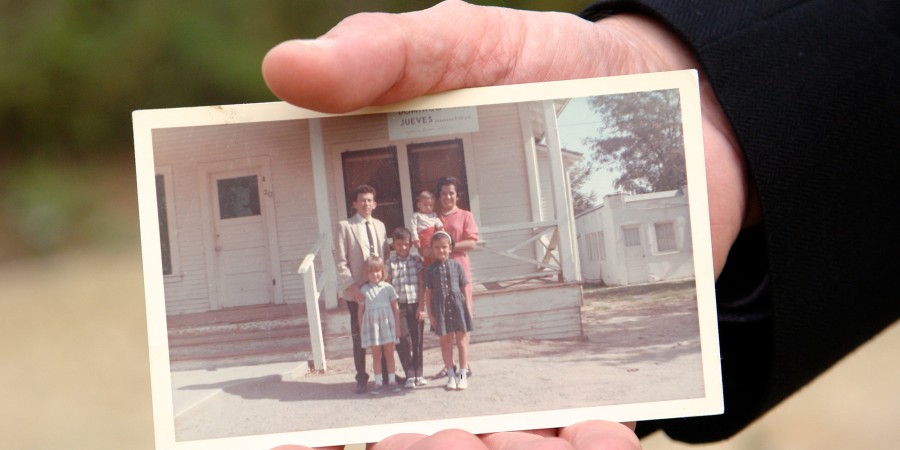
{"x":390,"y":291}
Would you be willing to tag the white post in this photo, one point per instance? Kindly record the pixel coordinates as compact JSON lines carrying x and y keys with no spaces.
{"x":526,"y":113}
{"x":531,"y":165}
{"x":560,"y":196}
{"x":308,"y":271}
{"x":323,"y":212}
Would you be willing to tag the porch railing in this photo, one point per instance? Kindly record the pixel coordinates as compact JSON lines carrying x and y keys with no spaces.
{"x":314,"y":287}
{"x":545,"y":238}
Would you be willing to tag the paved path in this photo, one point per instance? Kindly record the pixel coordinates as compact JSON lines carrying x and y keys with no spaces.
{"x":637,"y":350}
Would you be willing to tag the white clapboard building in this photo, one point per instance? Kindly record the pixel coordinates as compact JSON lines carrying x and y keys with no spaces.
{"x":247,"y":213}
{"x":634,"y":239}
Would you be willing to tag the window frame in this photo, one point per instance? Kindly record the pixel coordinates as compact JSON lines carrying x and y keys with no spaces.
{"x":167,"y":173}
{"x":671,"y":240}
{"x":632,"y":228}
{"x":600,"y":247}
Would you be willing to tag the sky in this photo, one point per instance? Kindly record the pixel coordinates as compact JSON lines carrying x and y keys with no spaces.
{"x":577,"y":122}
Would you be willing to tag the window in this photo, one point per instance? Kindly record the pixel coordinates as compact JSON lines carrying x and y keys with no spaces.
{"x":238,"y":197}
{"x":166,"y":212}
{"x":632,"y":236}
{"x":665,"y":237}
{"x":376,"y":167}
{"x":599,"y":245}
{"x":596,"y":249}
{"x":430,"y":161}
{"x":589,"y":246}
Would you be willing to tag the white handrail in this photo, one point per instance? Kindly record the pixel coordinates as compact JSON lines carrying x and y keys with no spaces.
{"x":516,"y":226}
{"x":539,"y":230}
{"x":313,"y":290}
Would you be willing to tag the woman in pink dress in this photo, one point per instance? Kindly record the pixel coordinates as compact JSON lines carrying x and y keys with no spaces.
{"x":460,"y":224}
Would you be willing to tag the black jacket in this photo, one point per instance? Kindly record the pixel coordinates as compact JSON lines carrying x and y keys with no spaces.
{"x":812,"y":89}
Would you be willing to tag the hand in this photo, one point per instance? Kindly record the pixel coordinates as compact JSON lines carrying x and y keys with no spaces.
{"x":597,"y":435}
{"x":301,"y":447}
{"x":374,"y":59}
{"x":354,"y":294}
{"x":420,"y":315}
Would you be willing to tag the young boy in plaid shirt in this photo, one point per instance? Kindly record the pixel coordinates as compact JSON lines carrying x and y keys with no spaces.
{"x":404,"y":272}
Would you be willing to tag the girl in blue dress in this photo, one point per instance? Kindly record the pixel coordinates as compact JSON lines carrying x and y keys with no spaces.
{"x":378,"y":318}
{"x":449,"y":309}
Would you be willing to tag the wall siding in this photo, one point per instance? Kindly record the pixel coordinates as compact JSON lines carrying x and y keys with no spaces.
{"x":496,"y":167}
{"x":503,"y":192}
{"x":546,"y":313}
{"x":286,"y":144}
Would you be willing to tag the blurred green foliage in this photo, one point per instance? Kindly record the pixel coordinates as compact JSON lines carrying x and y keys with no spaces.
{"x":71,"y":72}
{"x":49,"y":205}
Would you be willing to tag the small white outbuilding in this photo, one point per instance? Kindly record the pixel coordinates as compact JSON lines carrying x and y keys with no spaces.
{"x":635,"y":239}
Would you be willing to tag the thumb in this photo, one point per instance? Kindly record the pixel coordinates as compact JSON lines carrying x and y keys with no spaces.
{"x":377,"y":58}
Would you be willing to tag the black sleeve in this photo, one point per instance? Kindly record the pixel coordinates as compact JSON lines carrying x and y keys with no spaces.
{"x":811,"y":89}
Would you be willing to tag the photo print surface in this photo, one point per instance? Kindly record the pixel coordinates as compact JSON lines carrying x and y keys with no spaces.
{"x":580,"y":210}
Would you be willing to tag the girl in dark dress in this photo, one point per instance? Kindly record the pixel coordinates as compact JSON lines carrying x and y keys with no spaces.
{"x":449,"y":309}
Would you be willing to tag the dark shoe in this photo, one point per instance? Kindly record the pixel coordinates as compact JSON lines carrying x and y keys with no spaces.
{"x":361,"y":388}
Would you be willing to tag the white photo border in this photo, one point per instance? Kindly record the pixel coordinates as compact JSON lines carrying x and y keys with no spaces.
{"x":686,"y":82}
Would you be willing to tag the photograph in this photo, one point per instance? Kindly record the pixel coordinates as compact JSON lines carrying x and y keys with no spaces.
{"x":487,"y":259}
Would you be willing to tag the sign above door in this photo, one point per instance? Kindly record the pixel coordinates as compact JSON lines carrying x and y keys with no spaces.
{"x":432,"y":122}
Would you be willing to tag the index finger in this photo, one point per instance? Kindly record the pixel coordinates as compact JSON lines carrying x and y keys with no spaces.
{"x":442,"y":440}
{"x":599,"y":434}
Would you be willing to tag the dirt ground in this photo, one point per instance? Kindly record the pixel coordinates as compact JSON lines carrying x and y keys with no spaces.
{"x":641,"y":344}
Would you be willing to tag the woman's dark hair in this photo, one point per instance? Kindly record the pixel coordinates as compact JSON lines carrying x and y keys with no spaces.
{"x":448,"y":180}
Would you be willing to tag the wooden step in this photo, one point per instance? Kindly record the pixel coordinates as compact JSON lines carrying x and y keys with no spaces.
{"x":261,"y":337}
{"x":238,"y":336}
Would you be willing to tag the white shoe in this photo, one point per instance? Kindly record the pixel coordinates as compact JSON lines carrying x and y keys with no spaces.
{"x":410,"y":383}
{"x":421,"y":381}
{"x":463,"y":381}
{"x":451,"y":380}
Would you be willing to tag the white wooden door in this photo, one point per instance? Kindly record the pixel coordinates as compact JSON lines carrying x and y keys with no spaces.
{"x":635,"y":262}
{"x":241,"y":241}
